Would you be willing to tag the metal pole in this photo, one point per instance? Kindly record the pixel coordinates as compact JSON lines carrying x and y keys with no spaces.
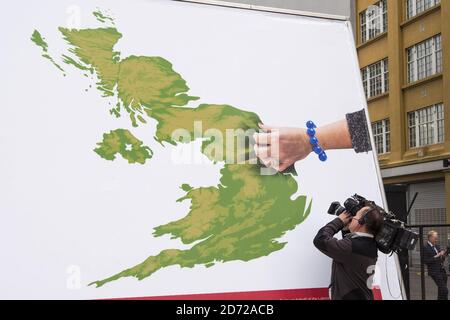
{"x":408,"y":294}
{"x":411,"y":204}
{"x":422,"y":266}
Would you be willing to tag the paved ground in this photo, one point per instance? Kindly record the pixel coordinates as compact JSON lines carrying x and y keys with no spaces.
{"x":430,"y":286}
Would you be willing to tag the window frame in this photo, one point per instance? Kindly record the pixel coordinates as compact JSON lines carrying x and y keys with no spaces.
{"x":412,"y":8}
{"x":385,"y":135}
{"x":426,"y":122}
{"x":374,"y":16}
{"x":421,"y":56}
{"x":375,"y":78}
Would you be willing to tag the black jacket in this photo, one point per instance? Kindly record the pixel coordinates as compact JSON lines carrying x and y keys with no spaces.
{"x":354,"y":260}
{"x":435,"y":265}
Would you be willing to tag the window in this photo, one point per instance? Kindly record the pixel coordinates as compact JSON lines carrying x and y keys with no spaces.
{"x":376,"y":78}
{"x":382,"y":136}
{"x":414,"y":7}
{"x":424,"y":59}
{"x":373,"y":21}
{"x":426,"y":126}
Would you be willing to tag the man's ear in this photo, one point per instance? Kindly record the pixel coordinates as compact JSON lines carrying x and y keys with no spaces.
{"x":359,"y":227}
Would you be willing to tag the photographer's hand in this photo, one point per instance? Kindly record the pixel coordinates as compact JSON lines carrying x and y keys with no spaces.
{"x":345,"y":218}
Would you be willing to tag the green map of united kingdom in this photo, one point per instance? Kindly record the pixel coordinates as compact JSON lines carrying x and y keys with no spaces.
{"x":243,"y":216}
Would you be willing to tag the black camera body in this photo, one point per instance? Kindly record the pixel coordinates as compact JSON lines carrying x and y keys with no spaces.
{"x":351,"y":205}
{"x":393,"y":236}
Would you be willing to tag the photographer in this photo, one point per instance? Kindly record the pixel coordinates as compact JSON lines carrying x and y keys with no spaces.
{"x":353,"y":255}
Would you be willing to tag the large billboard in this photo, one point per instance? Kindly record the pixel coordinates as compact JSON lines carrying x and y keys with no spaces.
{"x":120,"y":173}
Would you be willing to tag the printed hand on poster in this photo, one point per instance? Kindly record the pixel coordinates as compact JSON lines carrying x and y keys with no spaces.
{"x":280,"y":148}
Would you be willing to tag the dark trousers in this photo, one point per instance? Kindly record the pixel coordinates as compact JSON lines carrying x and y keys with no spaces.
{"x":441,"y":281}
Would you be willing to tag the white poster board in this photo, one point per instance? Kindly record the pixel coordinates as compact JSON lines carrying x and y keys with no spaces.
{"x":71,"y":217}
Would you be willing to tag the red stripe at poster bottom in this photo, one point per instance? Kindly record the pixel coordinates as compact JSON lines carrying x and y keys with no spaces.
{"x":290,"y":294}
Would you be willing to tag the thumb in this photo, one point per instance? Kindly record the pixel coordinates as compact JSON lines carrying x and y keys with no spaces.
{"x":284,"y":166}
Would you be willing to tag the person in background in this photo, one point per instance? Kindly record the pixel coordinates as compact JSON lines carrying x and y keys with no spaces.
{"x":280,"y":148}
{"x":434,"y":258}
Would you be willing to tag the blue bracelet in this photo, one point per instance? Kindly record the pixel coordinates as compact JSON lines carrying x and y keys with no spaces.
{"x":314,"y":141}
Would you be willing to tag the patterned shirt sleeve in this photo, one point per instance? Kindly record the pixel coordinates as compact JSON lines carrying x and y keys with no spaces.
{"x":359,"y":132}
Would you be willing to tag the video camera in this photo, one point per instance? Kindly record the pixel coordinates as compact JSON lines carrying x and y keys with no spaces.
{"x":393,"y":236}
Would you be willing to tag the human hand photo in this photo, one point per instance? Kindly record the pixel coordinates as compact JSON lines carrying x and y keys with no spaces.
{"x":346,"y":218}
{"x":280,"y":147}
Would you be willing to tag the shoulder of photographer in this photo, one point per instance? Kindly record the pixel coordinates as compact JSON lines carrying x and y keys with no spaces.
{"x":363,"y":228}
{"x":330,"y":246}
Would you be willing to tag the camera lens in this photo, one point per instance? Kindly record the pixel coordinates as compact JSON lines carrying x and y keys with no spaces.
{"x":336,"y":209}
